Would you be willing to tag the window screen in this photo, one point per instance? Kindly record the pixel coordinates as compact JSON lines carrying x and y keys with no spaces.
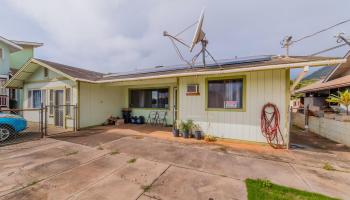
{"x":149,"y":98}
{"x":68,"y":101}
{"x":36,"y":98}
{"x":225,"y":93}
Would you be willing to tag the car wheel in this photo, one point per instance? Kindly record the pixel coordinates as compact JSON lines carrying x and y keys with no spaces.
{"x":5,"y":133}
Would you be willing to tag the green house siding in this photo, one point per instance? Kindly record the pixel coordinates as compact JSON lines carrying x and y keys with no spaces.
{"x":5,"y":61}
{"x":18,"y":58}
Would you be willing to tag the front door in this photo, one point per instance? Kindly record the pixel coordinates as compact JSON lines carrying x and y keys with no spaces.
{"x":175,"y":105}
{"x":59,"y":108}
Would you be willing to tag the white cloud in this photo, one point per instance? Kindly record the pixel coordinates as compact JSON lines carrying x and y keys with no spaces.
{"x":122,"y":35}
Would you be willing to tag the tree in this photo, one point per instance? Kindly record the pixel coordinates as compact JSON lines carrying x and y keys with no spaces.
{"x":343,"y":99}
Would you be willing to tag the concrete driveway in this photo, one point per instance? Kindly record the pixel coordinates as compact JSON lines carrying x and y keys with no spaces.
{"x":125,"y":166}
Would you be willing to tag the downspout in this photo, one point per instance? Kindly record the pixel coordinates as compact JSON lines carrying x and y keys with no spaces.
{"x":78,"y":106}
{"x":177,"y":99}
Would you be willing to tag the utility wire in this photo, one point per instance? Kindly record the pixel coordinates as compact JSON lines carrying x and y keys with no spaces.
{"x":329,"y":49}
{"x":323,"y":30}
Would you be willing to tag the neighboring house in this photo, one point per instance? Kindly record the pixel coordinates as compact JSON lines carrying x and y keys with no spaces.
{"x":225,"y":100}
{"x":297,"y":101}
{"x":338,"y":79}
{"x":13,"y":54}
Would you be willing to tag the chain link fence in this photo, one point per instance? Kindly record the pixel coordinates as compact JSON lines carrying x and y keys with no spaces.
{"x":21,"y":125}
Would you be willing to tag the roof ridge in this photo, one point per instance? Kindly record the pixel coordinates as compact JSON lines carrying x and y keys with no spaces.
{"x":68,"y":66}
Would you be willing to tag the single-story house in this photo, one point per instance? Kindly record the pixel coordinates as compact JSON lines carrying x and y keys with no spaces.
{"x":315,"y":95}
{"x":224,"y":100}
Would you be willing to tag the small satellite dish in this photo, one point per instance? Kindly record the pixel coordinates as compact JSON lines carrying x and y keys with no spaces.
{"x":199,"y":34}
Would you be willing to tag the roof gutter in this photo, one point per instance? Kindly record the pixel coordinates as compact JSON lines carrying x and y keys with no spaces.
{"x":324,"y":88}
{"x":267,"y":67}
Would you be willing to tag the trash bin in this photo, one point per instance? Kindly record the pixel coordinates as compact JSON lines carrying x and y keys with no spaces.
{"x":126,"y":112}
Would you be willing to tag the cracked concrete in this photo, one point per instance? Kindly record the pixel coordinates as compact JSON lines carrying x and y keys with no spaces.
{"x":47,"y":169}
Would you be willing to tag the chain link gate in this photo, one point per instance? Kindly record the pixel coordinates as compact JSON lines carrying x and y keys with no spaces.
{"x":60,"y":119}
{"x":21,"y":125}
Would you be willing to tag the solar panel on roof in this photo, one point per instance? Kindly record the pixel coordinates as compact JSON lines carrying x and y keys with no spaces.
{"x":243,"y":60}
{"x":236,"y":61}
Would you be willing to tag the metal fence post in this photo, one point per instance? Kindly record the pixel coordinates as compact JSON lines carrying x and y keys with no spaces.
{"x":41,"y":118}
{"x":45,"y":127}
{"x":75,"y":121}
{"x":307,"y":112}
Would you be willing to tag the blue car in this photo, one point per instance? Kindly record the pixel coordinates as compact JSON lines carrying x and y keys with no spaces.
{"x":11,"y":124}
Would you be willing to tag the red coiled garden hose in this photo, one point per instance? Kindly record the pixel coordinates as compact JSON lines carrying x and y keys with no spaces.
{"x":270,"y":125}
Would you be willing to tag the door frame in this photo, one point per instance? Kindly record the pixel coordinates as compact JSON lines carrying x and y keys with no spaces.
{"x":63,"y":109}
{"x":175,"y":104}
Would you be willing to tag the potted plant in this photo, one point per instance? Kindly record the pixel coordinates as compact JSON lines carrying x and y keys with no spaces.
{"x":190,"y":125}
{"x":197,"y":131}
{"x":185,"y":129}
{"x":176,"y":131}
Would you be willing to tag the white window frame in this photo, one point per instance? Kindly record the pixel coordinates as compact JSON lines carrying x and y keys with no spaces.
{"x":51,"y":101}
{"x":68,"y":102}
{"x":30,"y":98}
{"x":3,"y":91}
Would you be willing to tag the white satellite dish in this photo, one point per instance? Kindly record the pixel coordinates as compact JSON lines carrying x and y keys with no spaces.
{"x":199,"y":34}
{"x":199,"y":37}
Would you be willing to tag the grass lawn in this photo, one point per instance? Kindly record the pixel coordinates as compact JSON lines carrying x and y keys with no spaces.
{"x":264,"y":189}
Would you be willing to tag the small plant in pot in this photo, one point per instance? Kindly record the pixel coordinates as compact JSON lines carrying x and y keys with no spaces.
{"x":190,"y":124}
{"x":197,"y":131}
{"x":176,"y":131}
{"x":185,"y":128}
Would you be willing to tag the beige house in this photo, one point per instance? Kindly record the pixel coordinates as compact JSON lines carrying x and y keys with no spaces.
{"x":225,"y":101}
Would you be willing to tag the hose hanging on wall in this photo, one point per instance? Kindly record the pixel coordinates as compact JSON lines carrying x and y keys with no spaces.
{"x":270,"y":125}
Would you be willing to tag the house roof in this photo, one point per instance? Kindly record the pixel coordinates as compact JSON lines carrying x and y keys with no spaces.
{"x":74,"y":72}
{"x":230,"y":66}
{"x":321,"y":73}
{"x":79,"y":74}
{"x":13,"y":47}
{"x":339,"y":69}
{"x":27,"y":43}
{"x":320,"y":85}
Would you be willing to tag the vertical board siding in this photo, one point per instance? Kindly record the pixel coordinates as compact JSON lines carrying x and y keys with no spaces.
{"x":98,"y":103}
{"x":261,"y":87}
{"x":33,"y":116}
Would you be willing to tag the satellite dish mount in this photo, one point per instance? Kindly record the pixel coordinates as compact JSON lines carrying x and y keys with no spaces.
{"x":199,"y":37}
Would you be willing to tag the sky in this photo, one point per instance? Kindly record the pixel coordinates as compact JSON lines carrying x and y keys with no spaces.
{"x":124,"y":35}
